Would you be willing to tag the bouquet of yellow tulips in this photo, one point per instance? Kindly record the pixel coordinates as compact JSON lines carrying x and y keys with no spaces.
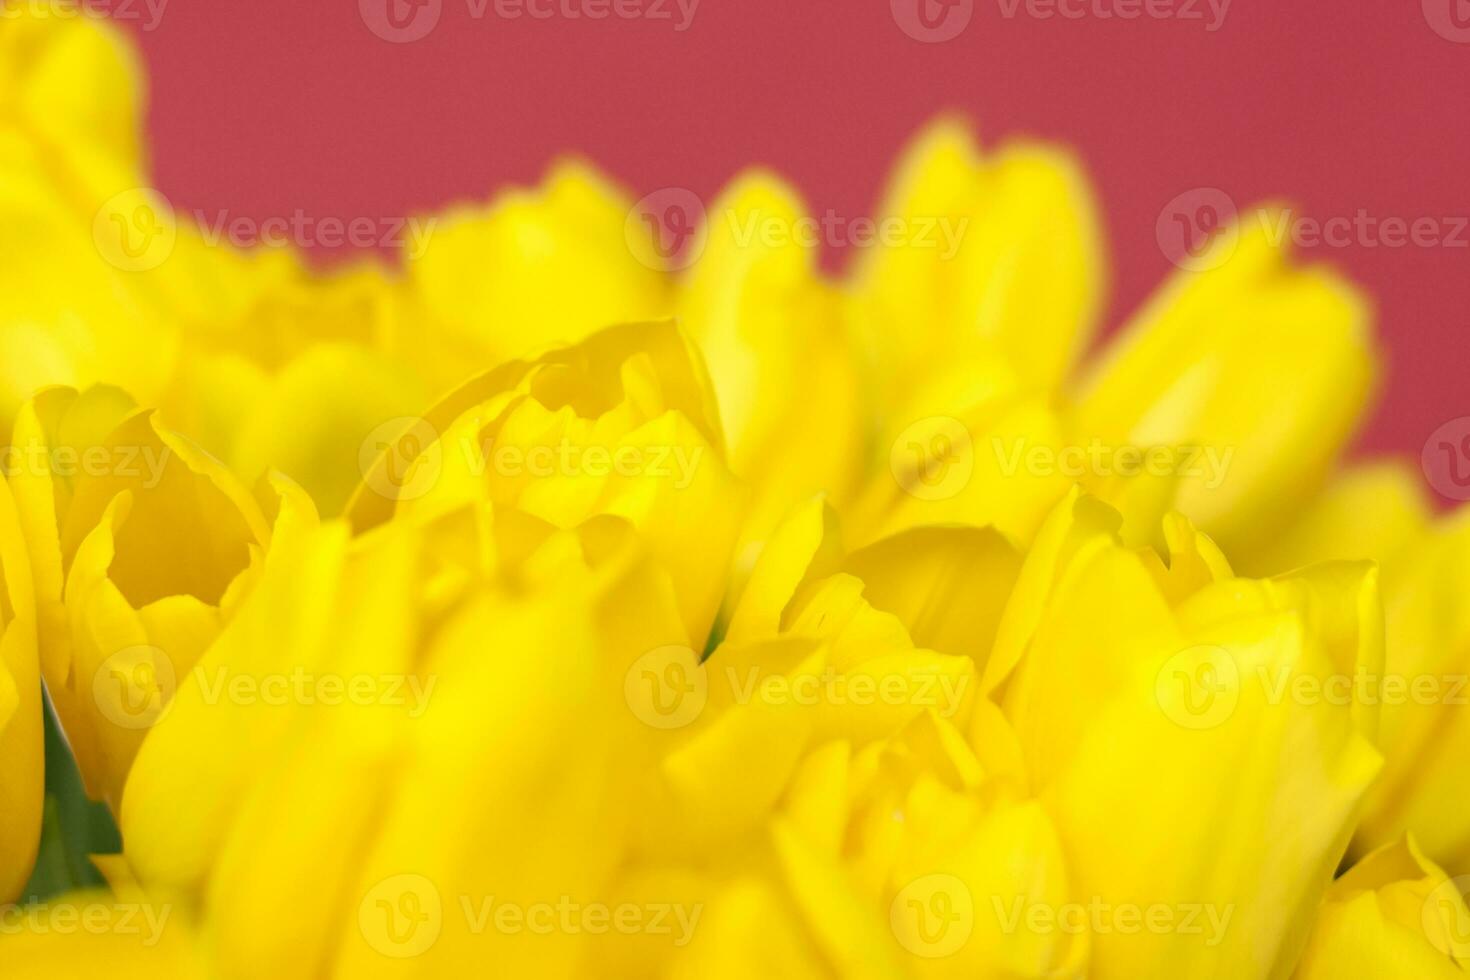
{"x":602,"y":589}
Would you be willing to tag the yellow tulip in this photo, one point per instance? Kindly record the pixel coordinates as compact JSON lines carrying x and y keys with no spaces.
{"x":1424,"y":691}
{"x":622,"y":424}
{"x":1374,"y":511}
{"x":1146,"y":695}
{"x":412,"y":607}
{"x":1257,"y":370}
{"x":70,"y":83}
{"x":138,"y":541}
{"x":1380,"y":512}
{"x":995,"y":256}
{"x":22,"y":772}
{"x":775,"y":337}
{"x":497,"y":277}
{"x":725,"y":618}
{"x":1394,"y":914}
{"x":122,"y":931}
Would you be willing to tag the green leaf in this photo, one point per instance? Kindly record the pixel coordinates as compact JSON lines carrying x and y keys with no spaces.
{"x":74,"y":827}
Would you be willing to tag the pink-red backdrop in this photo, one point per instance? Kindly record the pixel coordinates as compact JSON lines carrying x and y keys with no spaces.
{"x":1341,"y":106}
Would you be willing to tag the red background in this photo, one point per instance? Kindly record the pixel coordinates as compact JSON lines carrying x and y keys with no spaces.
{"x":267,"y":106}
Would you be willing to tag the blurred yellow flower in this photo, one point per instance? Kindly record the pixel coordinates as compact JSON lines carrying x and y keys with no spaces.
{"x":1395,"y":914}
{"x":138,"y":542}
{"x":570,"y":604}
